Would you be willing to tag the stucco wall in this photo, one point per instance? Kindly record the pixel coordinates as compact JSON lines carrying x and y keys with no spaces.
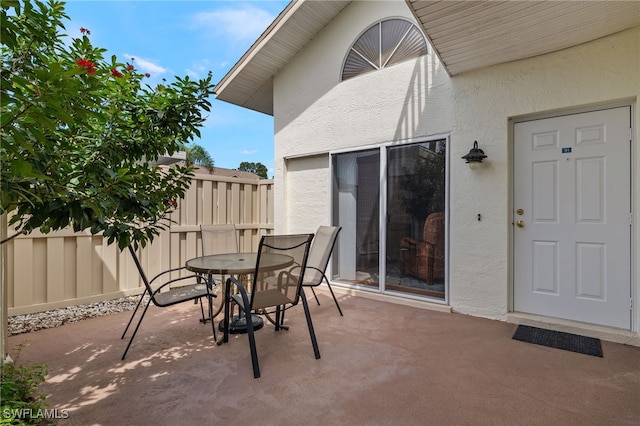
{"x":308,"y":194}
{"x":601,"y":72}
{"x":315,"y":112}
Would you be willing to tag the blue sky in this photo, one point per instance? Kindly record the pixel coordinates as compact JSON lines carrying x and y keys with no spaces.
{"x":169,"y":38}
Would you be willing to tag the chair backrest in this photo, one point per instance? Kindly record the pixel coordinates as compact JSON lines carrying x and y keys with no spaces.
{"x":217,"y":239}
{"x":319,"y":254}
{"x":274,"y":277}
{"x":433,"y":232}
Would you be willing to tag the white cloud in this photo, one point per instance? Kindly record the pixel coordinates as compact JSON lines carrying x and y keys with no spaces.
{"x":146,"y":65}
{"x":248,"y":151}
{"x":242,"y":23}
{"x":223,"y":65}
{"x":198,"y":69}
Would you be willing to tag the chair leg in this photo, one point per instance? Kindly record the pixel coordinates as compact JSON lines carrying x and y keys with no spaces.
{"x":314,"y":295}
{"x":134,"y":313}
{"x":312,"y":333}
{"x":227,"y":302}
{"x":252,"y":343}
{"x":195,"y":301}
{"x":207,"y":283}
{"x":213,"y":323}
{"x":136,"y":329}
{"x":281,"y":326}
{"x":252,"y":338}
{"x":279,"y":323}
{"x":203,"y":319}
{"x":250,"y":331}
{"x":333,"y":294}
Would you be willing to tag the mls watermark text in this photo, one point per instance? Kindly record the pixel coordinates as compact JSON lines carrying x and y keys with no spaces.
{"x":32,"y":414}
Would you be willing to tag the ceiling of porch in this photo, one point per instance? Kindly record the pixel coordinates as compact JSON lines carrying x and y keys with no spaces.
{"x":468,"y":35}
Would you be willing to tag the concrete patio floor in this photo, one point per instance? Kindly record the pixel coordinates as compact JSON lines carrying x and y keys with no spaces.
{"x":382,"y":364}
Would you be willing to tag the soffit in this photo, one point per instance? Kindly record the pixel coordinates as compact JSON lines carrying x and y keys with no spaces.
{"x":468,"y":35}
{"x":250,"y":82}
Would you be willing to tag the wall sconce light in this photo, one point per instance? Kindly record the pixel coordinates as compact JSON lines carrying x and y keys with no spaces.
{"x":475,"y":156}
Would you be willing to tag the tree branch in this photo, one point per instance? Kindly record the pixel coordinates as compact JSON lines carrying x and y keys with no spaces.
{"x":6,"y":240}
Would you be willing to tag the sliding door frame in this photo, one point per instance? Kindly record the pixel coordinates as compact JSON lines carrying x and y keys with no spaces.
{"x":382,"y":147}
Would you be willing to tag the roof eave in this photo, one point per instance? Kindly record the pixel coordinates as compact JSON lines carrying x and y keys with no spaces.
{"x":249,"y":83}
{"x":465,"y":35}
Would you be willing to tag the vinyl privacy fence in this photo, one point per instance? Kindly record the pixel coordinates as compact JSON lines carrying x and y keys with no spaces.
{"x":65,"y":268}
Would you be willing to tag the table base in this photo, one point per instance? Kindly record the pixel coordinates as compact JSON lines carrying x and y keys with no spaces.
{"x":239,"y":324}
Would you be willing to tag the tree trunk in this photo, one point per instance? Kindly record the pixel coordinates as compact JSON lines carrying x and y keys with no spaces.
{"x":4,"y":303}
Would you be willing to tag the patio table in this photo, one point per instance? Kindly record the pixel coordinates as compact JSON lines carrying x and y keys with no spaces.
{"x":238,"y":264}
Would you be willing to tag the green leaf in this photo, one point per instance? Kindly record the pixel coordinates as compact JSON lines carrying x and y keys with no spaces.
{"x":21,"y":168}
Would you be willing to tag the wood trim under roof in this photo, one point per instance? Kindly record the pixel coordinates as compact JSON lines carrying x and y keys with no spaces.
{"x":466,"y":35}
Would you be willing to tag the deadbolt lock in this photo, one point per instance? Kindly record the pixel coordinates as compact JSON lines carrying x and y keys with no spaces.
{"x":520,"y":212}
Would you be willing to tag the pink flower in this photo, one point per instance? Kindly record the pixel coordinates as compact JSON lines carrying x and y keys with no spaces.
{"x":88,"y":65}
{"x":85,"y":31}
{"x":116,"y":73}
{"x":130,"y":67}
{"x":173,"y":203}
{"x":147,"y":75}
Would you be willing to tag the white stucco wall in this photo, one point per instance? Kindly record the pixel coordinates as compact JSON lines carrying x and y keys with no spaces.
{"x":315,"y":112}
{"x":602,"y":72}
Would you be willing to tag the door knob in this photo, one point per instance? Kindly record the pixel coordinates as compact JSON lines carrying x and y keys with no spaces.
{"x":520,"y":224}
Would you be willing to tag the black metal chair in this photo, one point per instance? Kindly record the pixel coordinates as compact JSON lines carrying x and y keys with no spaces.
{"x":274,"y":289}
{"x":165,"y":295}
{"x":319,"y":254}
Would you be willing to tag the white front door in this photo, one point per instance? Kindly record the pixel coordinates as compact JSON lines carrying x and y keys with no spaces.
{"x":572,"y":217}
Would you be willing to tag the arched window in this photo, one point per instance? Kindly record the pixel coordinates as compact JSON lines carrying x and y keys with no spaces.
{"x":384,"y":44}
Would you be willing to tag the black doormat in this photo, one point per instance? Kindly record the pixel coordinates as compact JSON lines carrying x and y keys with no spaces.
{"x":559,"y":340}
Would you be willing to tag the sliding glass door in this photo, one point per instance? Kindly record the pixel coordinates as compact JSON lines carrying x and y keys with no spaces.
{"x":415,"y":254}
{"x":356,"y":207}
{"x":405,"y":186}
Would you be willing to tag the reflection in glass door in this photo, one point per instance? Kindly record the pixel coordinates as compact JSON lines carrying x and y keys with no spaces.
{"x":406,"y":252}
{"x":356,"y":207}
{"x":415,"y":229}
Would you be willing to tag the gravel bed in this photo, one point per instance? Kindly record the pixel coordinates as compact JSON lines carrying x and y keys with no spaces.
{"x":54,"y":318}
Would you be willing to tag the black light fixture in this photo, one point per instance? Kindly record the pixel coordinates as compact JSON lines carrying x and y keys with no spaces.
{"x":475,"y":156}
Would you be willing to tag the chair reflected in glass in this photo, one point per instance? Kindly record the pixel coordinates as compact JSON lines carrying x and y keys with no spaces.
{"x":425,"y":259}
{"x":319,"y":254}
{"x":273,"y":290}
{"x":171,"y":292}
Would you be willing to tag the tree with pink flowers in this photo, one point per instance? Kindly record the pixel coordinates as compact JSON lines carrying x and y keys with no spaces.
{"x":79,"y":131}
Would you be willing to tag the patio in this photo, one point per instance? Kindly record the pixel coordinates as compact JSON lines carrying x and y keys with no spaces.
{"x":382,"y":364}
